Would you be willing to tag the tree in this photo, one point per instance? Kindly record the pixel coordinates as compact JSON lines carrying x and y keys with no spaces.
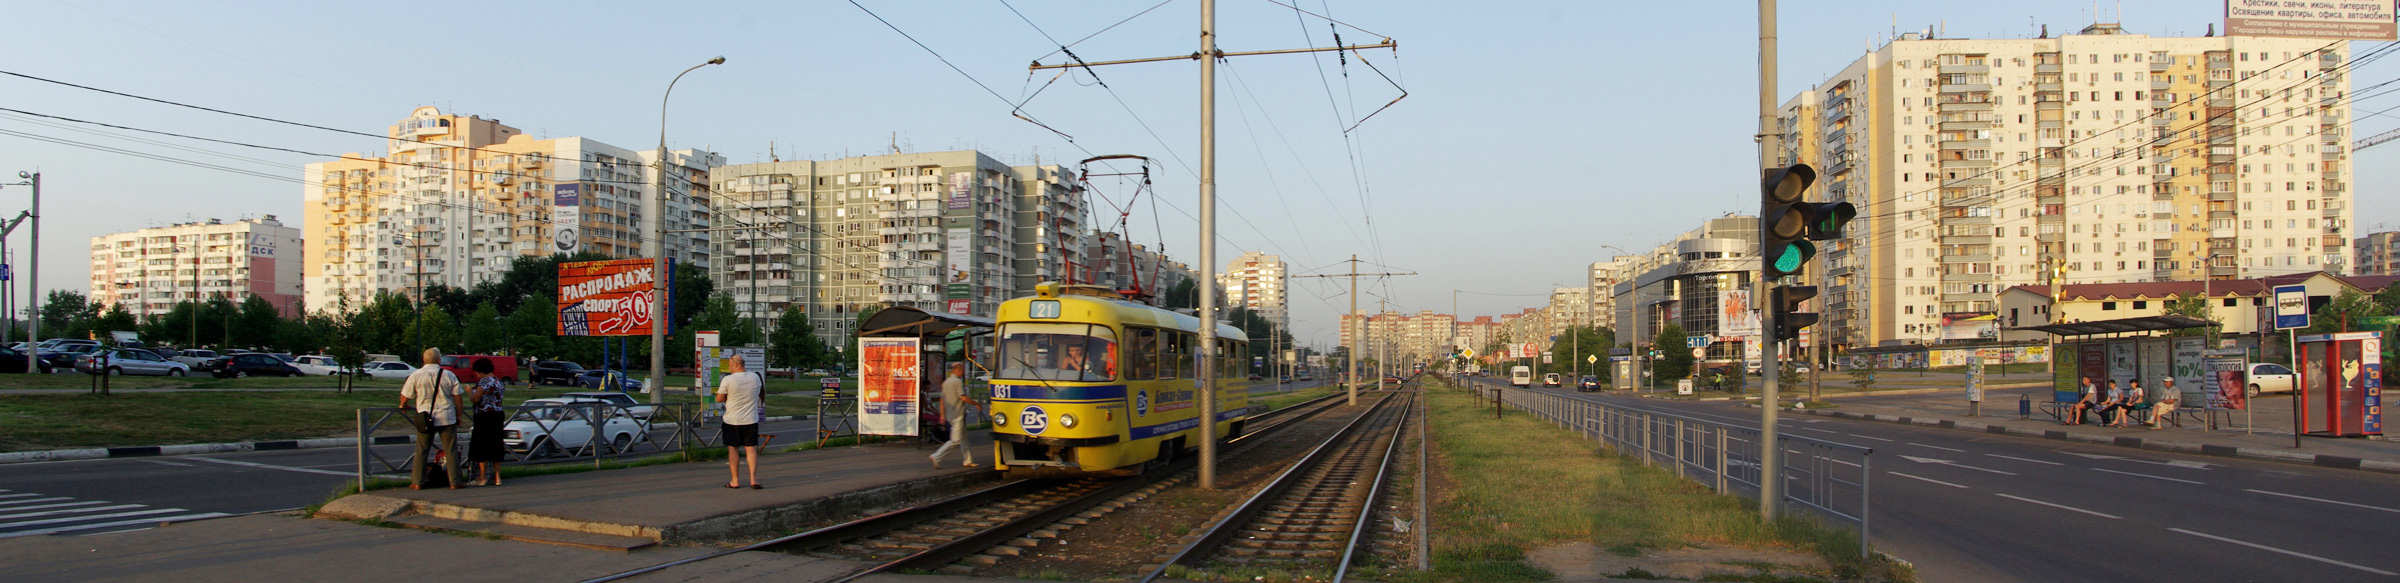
{"x":1184,"y":295}
{"x":344,"y":342}
{"x":449,"y":299}
{"x":255,"y":322}
{"x":1578,"y":342}
{"x":794,"y":342}
{"x":2343,"y":312}
{"x":382,"y":324}
{"x":1676,"y":362}
{"x":533,"y":327}
{"x":2196,"y":306}
{"x":431,"y":328}
{"x":67,"y":314}
{"x":116,"y":318}
{"x":485,"y":332}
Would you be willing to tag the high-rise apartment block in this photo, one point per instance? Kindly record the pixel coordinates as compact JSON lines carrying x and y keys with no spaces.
{"x":1255,"y":281}
{"x":2097,"y":157}
{"x":1399,"y":338}
{"x":2377,"y":254}
{"x":956,"y":232}
{"x":458,"y":198}
{"x":150,"y":270}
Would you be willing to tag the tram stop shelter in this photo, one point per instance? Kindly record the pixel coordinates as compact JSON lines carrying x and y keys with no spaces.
{"x":2106,"y":350}
{"x":901,"y":353}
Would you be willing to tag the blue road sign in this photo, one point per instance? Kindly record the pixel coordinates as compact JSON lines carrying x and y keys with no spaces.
{"x":2291,"y":307}
{"x":8,"y":272}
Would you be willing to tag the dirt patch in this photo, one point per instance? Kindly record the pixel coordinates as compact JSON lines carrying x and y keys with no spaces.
{"x":1579,"y":561}
{"x":1114,"y":546}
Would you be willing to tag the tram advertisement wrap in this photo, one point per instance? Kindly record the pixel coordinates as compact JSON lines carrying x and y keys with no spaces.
{"x":887,"y":386}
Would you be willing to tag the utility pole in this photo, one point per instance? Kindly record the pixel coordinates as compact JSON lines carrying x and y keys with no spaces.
{"x":1360,"y":333}
{"x":1208,"y":56}
{"x":663,"y":278}
{"x":1770,"y":144}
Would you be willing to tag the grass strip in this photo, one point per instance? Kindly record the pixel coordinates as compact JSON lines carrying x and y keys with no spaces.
{"x":1520,"y":484}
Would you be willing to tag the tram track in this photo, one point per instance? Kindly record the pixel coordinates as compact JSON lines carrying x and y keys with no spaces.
{"x":942,"y":533}
{"x":1318,"y":511}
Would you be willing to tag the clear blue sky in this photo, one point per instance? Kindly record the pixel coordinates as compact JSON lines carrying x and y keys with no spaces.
{"x":1533,"y":132}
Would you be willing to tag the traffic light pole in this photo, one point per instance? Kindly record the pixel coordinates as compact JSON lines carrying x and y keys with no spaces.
{"x":1770,"y":144}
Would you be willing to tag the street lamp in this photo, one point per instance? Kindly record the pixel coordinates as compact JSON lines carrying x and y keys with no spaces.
{"x":658,"y":240}
{"x":416,"y":267}
{"x":33,"y":277}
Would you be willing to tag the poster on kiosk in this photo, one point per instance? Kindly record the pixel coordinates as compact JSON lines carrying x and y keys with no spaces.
{"x":2340,"y":379}
{"x":887,"y":385}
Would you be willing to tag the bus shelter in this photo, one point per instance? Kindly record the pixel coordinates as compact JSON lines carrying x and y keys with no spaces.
{"x":901,"y":360}
{"x":2340,"y":380}
{"x":2124,"y":350}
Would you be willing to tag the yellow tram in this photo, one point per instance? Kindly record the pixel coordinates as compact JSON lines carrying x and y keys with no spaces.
{"x":1087,"y":382}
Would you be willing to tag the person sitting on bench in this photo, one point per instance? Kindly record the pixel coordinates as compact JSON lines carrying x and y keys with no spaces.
{"x":2084,"y":403}
{"x":2116,"y":402}
{"x":2136,"y":401}
{"x":2164,"y":409}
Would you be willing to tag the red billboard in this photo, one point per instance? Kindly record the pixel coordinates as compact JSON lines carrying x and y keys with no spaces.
{"x":606,"y":298}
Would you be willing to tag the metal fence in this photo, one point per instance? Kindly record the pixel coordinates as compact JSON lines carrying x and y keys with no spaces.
{"x":551,"y":433}
{"x":1829,"y":477}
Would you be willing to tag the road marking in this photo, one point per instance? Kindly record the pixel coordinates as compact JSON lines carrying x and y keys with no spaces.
{"x":166,"y":463}
{"x":1816,"y":430}
{"x":109,"y":524}
{"x":1927,"y":479}
{"x":1938,"y":447}
{"x":2148,"y":476}
{"x":17,"y":495}
{"x":273,"y":467}
{"x":91,"y":517}
{"x":2024,"y":459}
{"x":2174,"y":463}
{"x":32,"y":500}
{"x":1927,"y":460}
{"x":2296,"y":554}
{"x":2392,"y":510}
{"x":2060,"y":506}
{"x":73,"y":510}
{"x":1869,"y":437}
{"x":63,"y":505}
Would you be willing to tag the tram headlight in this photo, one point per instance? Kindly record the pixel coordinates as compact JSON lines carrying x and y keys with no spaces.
{"x":1066,"y":420}
{"x":999,"y":419}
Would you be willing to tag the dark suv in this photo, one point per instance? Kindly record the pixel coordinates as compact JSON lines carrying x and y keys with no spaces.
{"x":255,"y":365}
{"x":556,"y":372}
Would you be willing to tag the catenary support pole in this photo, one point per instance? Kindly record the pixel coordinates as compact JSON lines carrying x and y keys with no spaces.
{"x":1208,"y":244}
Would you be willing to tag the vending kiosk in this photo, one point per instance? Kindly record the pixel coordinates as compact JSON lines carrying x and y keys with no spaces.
{"x":2340,"y":381}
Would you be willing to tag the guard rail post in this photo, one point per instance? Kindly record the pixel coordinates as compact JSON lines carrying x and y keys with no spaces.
{"x":1721,"y":459}
{"x":361,"y":415}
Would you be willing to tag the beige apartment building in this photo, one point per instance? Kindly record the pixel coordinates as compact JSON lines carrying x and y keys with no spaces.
{"x":1403,"y":339}
{"x":457,"y":198}
{"x":1255,"y":281}
{"x":148,"y":271}
{"x":2096,"y":157}
{"x":2377,"y":254}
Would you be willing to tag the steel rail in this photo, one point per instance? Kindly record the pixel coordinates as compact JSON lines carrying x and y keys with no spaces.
{"x":1366,"y":510}
{"x":1235,"y":521}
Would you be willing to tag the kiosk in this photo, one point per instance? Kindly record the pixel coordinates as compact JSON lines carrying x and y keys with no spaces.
{"x":2340,"y":381}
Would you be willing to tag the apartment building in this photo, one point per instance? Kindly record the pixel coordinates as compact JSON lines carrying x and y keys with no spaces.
{"x":2376,"y":254}
{"x":956,"y":232}
{"x":1403,"y":338}
{"x":1255,"y":281}
{"x":148,"y":271}
{"x":457,"y":198}
{"x":2098,"y":157}
{"x":1113,"y":262}
{"x":1600,"y":287}
{"x":1570,"y":307}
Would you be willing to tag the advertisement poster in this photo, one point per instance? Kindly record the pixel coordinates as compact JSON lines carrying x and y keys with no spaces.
{"x":2191,"y":369}
{"x":1975,"y":379}
{"x":2156,"y":366}
{"x":2096,"y":363}
{"x":2344,"y":20}
{"x":887,"y":386}
{"x":2065,"y":378}
{"x":566,"y":214}
{"x":2229,"y":387}
{"x":713,"y":363}
{"x":1735,"y":313}
{"x":606,"y":298}
{"x":2123,"y":364}
{"x":962,"y":188}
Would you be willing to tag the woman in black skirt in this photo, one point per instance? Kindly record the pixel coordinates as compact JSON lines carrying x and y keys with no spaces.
{"x":485,"y":449}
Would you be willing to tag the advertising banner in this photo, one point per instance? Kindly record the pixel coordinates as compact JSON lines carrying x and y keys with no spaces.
{"x":2320,"y":19}
{"x":566,"y":216}
{"x":2191,"y":369}
{"x":958,"y":250}
{"x":1975,"y":379}
{"x":887,"y":386}
{"x":2156,"y":366}
{"x":712,"y":363}
{"x":2096,"y":363}
{"x":962,"y":189}
{"x":2123,"y":364}
{"x":2066,"y":376}
{"x":1735,"y":317}
{"x":606,"y":298}
{"x":2229,"y":386}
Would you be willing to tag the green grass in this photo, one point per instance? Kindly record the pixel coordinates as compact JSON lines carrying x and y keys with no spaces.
{"x":1282,"y":400}
{"x":159,"y":418}
{"x":1486,"y":524}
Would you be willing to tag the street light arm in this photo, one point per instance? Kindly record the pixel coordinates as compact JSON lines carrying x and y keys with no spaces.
{"x":662,"y":105}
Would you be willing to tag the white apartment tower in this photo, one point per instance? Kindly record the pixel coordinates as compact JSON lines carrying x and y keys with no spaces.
{"x":150,"y":270}
{"x":458,"y":198}
{"x":2095,"y":157}
{"x":1255,"y":281}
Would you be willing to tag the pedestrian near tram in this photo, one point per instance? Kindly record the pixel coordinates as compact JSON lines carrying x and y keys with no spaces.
{"x":954,"y":410}
{"x":744,"y":396}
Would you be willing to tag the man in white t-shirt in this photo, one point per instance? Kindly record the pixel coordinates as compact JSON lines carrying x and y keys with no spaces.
{"x":744,"y":394}
{"x":434,"y":392}
{"x":954,"y":410}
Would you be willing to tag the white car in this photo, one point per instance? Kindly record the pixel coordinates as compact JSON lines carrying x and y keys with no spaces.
{"x":623,"y":402}
{"x":196,"y":359}
{"x":318,"y":365}
{"x":2267,"y":377}
{"x":554,"y":431}
{"x":387,"y":370}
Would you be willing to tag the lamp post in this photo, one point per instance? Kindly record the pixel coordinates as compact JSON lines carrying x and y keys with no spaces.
{"x":33,"y":277}
{"x":658,"y":249}
{"x":416,"y":267}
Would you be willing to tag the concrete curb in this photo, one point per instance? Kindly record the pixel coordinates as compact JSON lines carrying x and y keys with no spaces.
{"x":93,"y":453}
{"x":2319,"y":460}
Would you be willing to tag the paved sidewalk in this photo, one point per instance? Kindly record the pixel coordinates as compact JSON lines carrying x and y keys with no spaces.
{"x":2271,"y":440}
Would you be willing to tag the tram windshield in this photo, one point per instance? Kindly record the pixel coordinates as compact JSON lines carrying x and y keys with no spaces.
{"x":1057,"y":352}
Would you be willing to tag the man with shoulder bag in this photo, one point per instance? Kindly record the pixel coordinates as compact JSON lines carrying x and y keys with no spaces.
{"x":435,"y":402}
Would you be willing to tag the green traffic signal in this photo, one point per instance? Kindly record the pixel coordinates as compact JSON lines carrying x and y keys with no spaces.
{"x":1827,"y":219}
{"x":1786,"y":260}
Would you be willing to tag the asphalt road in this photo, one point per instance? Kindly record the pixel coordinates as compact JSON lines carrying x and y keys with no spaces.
{"x":1969,"y":507}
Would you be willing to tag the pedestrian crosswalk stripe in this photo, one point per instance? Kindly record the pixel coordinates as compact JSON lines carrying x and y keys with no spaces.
{"x":38,"y":514}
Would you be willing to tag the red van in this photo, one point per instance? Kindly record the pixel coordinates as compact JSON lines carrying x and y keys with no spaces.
{"x":463,"y":365}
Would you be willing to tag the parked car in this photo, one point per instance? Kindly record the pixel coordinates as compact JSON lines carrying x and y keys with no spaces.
{"x":13,"y":361}
{"x":462,"y":365}
{"x":622,"y":401}
{"x":129,"y":361}
{"x":197,"y":359}
{"x":2268,"y":377}
{"x":320,"y":365}
{"x":816,"y":372}
{"x":1588,"y":384}
{"x":555,"y":372}
{"x":598,"y":379}
{"x":61,"y":344}
{"x":550,"y":432}
{"x":64,"y":355}
{"x":255,"y":365}
{"x":387,"y":369}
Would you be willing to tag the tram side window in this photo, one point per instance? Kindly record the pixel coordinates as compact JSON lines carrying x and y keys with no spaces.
{"x":1174,"y":359}
{"x":1142,"y":354}
{"x":1057,"y":352}
{"x":1229,"y":359}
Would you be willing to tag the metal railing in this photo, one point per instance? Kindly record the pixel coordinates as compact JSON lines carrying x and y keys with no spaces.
{"x":1830,"y":477}
{"x":559,"y":433}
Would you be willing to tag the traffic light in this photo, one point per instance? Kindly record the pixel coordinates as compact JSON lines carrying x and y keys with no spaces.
{"x":1787,"y":319}
{"x":1784,"y":220}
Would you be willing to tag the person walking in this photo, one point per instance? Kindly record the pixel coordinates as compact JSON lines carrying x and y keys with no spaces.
{"x":434,"y":393}
{"x":743,"y":394}
{"x":954,"y":410}
{"x":485,"y":449}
